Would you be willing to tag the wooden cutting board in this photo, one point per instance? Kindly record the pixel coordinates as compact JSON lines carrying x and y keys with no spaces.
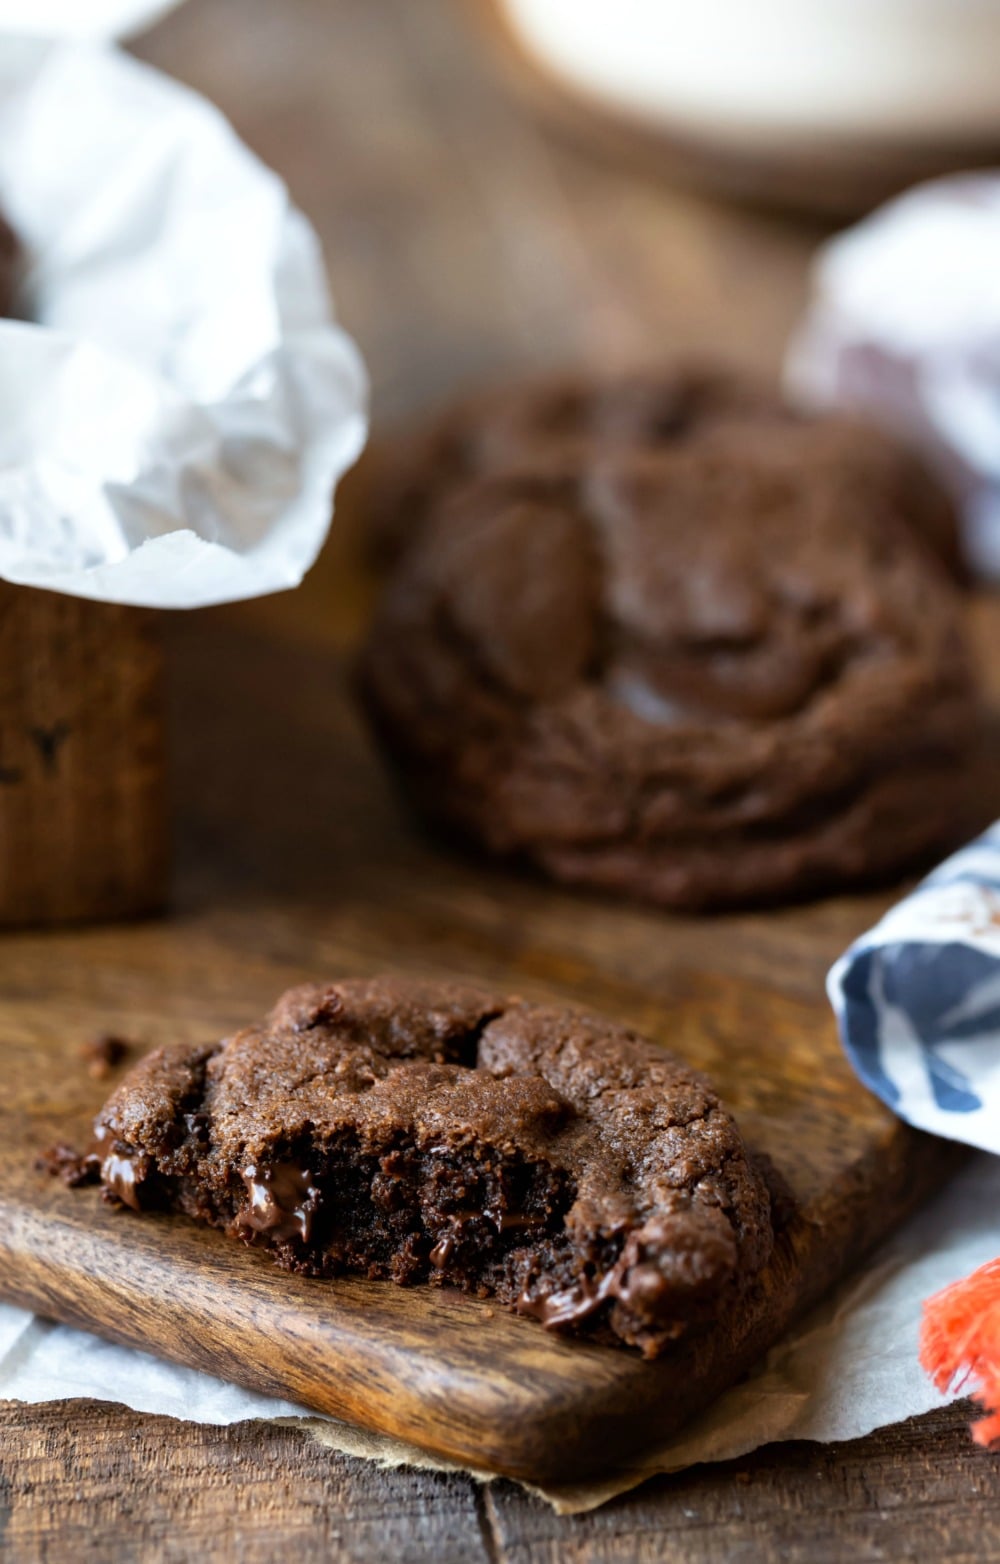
{"x":296,"y":861}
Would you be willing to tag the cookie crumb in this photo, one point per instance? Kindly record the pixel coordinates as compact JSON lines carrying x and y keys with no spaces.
{"x":104,"y":1053}
{"x":65,"y":1162}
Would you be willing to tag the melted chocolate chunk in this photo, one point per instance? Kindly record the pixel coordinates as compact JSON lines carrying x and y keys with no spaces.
{"x":123,"y":1170}
{"x":121,"y":1178}
{"x":282,"y":1201}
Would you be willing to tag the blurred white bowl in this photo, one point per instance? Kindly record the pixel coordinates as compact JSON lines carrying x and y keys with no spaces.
{"x":757,"y":74}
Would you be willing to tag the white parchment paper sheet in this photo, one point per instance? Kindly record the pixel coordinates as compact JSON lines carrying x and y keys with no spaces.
{"x":81,"y":18}
{"x":904,"y":327}
{"x":849,"y":1367}
{"x":175,"y":417}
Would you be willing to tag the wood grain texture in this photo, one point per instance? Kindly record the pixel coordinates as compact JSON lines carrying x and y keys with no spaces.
{"x":465,"y":245}
{"x":91,"y":1483}
{"x":83,"y":808}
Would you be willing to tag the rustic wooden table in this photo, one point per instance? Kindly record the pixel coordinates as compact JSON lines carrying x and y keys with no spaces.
{"x":466,"y":243}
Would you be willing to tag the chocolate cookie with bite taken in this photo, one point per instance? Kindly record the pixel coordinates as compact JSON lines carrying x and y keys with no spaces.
{"x":432,"y":1132}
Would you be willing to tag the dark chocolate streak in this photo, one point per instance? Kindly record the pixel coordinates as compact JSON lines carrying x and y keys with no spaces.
{"x":557,"y":1310}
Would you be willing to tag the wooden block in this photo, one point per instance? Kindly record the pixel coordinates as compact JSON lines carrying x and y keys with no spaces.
{"x":82,"y":762}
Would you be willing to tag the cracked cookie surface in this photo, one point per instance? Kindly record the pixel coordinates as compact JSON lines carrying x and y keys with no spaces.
{"x":434,"y":1132}
{"x":569,"y":424}
{"x":713,"y":675}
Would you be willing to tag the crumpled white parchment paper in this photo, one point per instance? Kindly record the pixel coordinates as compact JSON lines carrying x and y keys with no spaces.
{"x":81,"y":18}
{"x":904,"y":326}
{"x":174,"y":419}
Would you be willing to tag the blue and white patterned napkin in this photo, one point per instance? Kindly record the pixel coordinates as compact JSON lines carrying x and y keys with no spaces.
{"x":918,"y":1000}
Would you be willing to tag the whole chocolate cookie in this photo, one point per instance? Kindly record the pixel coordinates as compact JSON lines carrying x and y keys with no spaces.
{"x":569,"y":424}
{"x":433,"y":1132}
{"x":704,"y":676}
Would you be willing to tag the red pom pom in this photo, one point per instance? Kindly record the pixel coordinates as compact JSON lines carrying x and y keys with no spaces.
{"x":960,"y":1342}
